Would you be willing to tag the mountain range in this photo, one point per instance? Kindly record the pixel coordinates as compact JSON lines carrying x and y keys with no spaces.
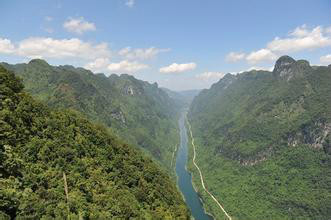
{"x":75,"y":144}
{"x":56,"y":164}
{"x":263,"y":140}
{"x":140,"y":112}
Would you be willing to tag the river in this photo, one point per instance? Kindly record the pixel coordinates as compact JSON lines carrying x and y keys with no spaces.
{"x":184,"y":177}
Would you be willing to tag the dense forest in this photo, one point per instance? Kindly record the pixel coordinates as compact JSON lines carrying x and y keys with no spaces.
{"x":136,"y":110}
{"x":55,"y":164}
{"x":263,"y":142}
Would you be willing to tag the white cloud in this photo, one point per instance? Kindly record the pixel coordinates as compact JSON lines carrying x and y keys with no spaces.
{"x":40,"y":47}
{"x":259,"y":68}
{"x":254,"y":68}
{"x":96,"y":56}
{"x":234,"y":57}
{"x":78,"y":25}
{"x":6,"y":46}
{"x":326,"y":59}
{"x":301,"y":38}
{"x":140,"y":53}
{"x":260,"y":55}
{"x":178,"y":68}
{"x":299,"y":31}
{"x":126,"y":67}
{"x":130,"y":3}
{"x":210,"y":76}
{"x":98,"y":65}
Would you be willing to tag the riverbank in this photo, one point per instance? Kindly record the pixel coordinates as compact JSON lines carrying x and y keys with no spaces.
{"x":184,"y":178}
{"x":202,"y":189}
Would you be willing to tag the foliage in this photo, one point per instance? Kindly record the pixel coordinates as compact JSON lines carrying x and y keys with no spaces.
{"x":263,"y":143}
{"x":106,"y":178}
{"x":135,"y":110}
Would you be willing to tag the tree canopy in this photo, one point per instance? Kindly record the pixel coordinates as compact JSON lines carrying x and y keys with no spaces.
{"x":105,"y":177}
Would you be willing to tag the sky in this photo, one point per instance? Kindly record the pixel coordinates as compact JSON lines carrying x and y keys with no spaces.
{"x":180,"y":44}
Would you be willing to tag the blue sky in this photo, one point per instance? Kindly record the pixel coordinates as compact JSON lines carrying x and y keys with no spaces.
{"x":180,"y":44}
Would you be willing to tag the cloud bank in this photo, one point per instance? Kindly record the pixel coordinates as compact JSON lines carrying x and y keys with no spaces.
{"x":326,"y":59}
{"x":178,"y":68}
{"x":300,"y":39}
{"x":141,"y":53}
{"x":206,"y":76}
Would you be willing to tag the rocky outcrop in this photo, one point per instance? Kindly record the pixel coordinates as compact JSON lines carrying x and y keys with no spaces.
{"x":314,"y":135}
{"x":261,"y":156}
{"x":131,"y":90}
{"x":287,"y":68}
{"x":118,"y":115}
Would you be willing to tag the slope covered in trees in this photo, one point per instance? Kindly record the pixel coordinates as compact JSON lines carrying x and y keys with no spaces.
{"x":105,"y":177}
{"x":136,"y":110}
{"x":263,"y":142}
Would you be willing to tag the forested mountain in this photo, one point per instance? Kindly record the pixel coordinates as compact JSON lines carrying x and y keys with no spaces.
{"x":263,"y":142}
{"x":136,"y":110}
{"x":57,"y":164}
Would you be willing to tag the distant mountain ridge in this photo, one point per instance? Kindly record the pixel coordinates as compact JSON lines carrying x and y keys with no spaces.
{"x":182,"y":98}
{"x":264,"y":141}
{"x":136,"y":110}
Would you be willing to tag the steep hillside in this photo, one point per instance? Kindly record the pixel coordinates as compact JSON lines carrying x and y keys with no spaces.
{"x":263,"y":141}
{"x":56,"y":164}
{"x":138,"y":111}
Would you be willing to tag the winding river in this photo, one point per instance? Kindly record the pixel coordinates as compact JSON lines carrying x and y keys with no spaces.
{"x":184,"y":177}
